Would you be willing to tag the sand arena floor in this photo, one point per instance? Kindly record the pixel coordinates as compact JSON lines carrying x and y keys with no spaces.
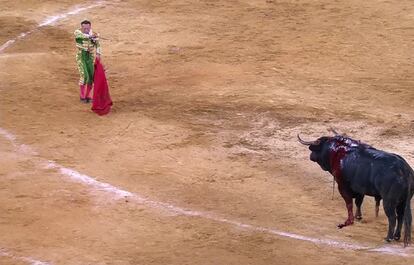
{"x":198,"y":162}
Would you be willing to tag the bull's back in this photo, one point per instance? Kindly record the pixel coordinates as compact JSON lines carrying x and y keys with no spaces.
{"x":375,"y":173}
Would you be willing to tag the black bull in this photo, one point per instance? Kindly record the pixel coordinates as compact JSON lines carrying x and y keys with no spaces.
{"x":359,"y":170}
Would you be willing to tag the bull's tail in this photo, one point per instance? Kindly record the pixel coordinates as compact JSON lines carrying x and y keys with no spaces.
{"x":407,"y":214}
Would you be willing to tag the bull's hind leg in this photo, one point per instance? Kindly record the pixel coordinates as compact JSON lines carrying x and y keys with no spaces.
{"x":377,"y":205}
{"x":389,"y":209}
{"x":400,"y":216}
{"x":358,"y":202}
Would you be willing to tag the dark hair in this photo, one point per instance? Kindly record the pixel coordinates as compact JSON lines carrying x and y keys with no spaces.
{"x":85,"y":22}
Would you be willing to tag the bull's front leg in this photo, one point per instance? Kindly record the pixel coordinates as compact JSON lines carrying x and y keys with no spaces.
{"x":346,"y":195}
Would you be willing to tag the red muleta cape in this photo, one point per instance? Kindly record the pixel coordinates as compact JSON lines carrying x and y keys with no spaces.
{"x":102,"y":102}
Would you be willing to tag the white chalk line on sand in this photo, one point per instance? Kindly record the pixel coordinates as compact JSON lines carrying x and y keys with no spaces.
{"x":5,"y":253}
{"x":10,"y":137}
{"x":120,"y":193}
{"x":49,"y":21}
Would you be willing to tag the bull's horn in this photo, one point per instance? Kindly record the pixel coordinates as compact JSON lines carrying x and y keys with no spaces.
{"x":307,"y":143}
{"x":333,"y":130}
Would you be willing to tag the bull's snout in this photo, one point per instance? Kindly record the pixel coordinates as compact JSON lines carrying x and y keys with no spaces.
{"x":313,"y":157}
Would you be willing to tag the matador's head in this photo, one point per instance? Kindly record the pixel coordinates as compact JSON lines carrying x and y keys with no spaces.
{"x":86,"y":26}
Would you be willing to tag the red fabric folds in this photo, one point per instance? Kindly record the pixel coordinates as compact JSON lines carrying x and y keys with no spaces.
{"x":102,"y":102}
